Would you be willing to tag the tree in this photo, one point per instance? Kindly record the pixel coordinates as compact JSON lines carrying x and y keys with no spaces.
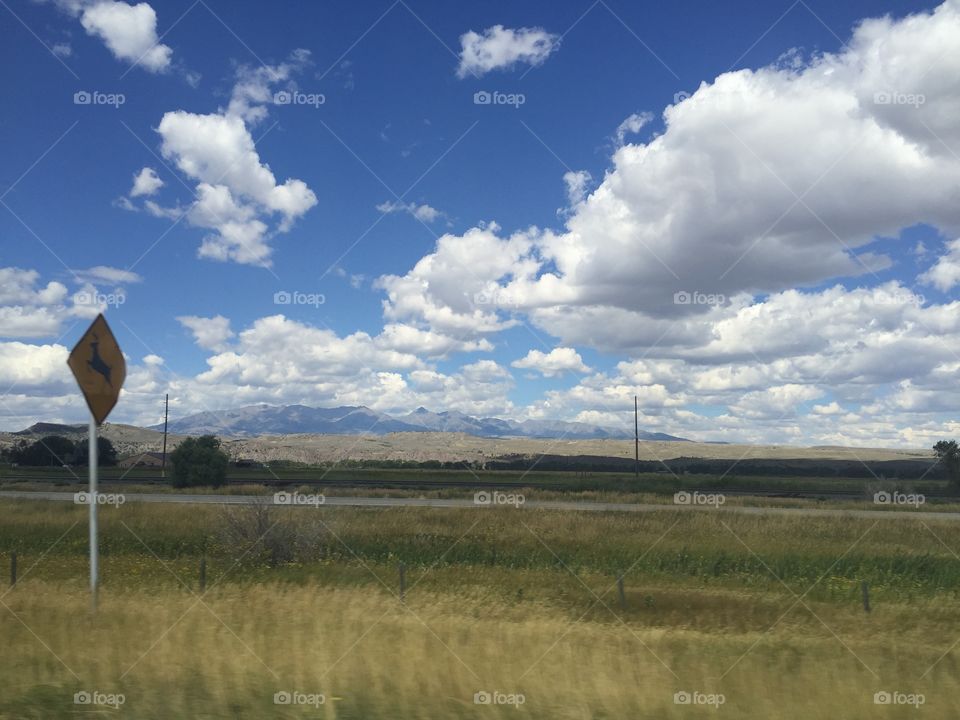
{"x":50,"y":451}
{"x":199,"y":461}
{"x":12,"y":454}
{"x":106,"y":453}
{"x":949,"y":454}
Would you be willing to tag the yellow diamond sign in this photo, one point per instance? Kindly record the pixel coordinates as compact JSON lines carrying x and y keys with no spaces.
{"x":99,"y":368}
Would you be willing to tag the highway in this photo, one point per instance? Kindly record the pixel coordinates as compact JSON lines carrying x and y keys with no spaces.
{"x":578,"y":506}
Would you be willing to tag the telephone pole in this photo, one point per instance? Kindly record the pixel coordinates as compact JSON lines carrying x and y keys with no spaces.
{"x":636,"y":439}
{"x":166,"y":416}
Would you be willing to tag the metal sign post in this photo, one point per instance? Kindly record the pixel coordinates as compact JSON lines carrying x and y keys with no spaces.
{"x":98,"y":365}
{"x":94,"y":505}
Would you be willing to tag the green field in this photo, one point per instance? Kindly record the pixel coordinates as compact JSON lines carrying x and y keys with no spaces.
{"x":514,"y":601}
{"x":662,"y":483}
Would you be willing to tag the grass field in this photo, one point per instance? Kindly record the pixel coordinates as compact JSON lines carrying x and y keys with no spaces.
{"x":662,"y":483}
{"x":517,"y":602}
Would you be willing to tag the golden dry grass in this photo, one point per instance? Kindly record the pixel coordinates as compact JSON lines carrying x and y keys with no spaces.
{"x":373,"y":657}
{"x":497,"y":601}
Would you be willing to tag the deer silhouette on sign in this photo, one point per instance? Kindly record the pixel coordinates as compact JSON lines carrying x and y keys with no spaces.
{"x":96,"y":362}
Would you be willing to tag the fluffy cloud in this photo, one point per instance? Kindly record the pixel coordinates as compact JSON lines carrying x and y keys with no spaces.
{"x":276,"y":349}
{"x":409,"y":339}
{"x":211,"y":333}
{"x":632,"y":125}
{"x":20,"y":286}
{"x":241,"y":234}
{"x":718,"y":206}
{"x":36,"y":383}
{"x":863,"y":366}
{"x":237,"y":194}
{"x":500,"y":48}
{"x":28,"y":322}
{"x":31,"y":310}
{"x":783,"y":332}
{"x":423,"y":212}
{"x":39,"y":368}
{"x":254,"y":89}
{"x":145,"y":182}
{"x":774,"y":403}
{"x":219,"y":150}
{"x":556,"y":362}
{"x":129,"y":32}
{"x":454,"y":290}
{"x":832,"y":408}
{"x":945,"y":273}
{"x":279,"y":360}
{"x":869,"y":366}
{"x":576,"y":182}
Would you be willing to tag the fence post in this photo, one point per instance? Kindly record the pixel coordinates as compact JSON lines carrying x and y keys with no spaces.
{"x":203,"y":573}
{"x":403,"y":580}
{"x":13,"y":569}
{"x":623,"y":596}
{"x":865,"y":589}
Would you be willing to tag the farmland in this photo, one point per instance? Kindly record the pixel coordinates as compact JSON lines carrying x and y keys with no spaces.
{"x":329,"y":477}
{"x":763,"y":611}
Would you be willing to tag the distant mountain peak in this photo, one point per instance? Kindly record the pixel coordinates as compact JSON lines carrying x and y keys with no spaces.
{"x":264,"y":419}
{"x":42,"y":428}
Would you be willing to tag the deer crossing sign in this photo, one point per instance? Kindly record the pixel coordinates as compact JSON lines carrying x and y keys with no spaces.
{"x":98,"y":365}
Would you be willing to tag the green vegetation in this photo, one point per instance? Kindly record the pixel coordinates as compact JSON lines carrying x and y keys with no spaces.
{"x":514,"y":600}
{"x":664,"y":482}
{"x":199,"y":461}
{"x":58,"y":451}
{"x":901,"y":559}
{"x":106,"y":453}
{"x":948,"y":453}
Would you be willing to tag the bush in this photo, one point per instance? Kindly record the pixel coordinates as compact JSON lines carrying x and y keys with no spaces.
{"x":199,"y":461}
{"x":50,"y":451}
{"x":260,"y":533}
{"x":106,"y":453}
{"x":949,"y":455}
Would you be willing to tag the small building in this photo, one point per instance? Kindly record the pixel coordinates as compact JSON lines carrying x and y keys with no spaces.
{"x":147,"y":459}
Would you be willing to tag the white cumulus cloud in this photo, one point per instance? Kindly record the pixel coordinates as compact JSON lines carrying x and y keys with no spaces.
{"x":128,"y":31}
{"x":500,"y":48}
{"x":423,"y":212}
{"x":210,"y":333}
{"x":945,"y":273}
{"x":237,"y":194}
{"x":556,"y":362}
{"x":145,"y":182}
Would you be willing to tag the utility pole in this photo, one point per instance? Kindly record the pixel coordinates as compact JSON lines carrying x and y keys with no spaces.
{"x":636,"y":439}
{"x":166,"y":415}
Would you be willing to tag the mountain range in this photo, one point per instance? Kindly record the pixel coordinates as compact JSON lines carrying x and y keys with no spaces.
{"x":256,"y":420}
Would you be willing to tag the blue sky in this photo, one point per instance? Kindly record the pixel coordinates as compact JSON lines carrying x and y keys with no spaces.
{"x":520,"y":258}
